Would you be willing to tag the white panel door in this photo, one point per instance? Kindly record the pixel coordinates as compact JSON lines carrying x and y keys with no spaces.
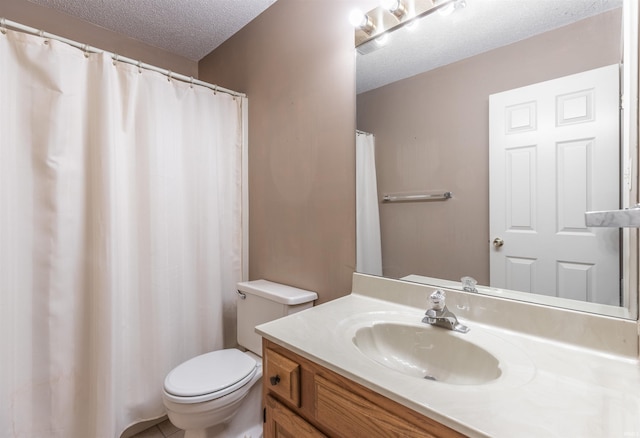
{"x":554,"y":154}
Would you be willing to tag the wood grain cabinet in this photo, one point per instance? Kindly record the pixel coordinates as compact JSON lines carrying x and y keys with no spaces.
{"x":305,"y":400}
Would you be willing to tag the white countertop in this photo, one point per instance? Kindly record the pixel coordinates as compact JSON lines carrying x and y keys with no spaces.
{"x":549,"y":389}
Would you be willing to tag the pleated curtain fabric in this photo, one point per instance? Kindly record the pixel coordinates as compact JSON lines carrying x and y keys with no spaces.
{"x":368,"y":241}
{"x":120,"y":236}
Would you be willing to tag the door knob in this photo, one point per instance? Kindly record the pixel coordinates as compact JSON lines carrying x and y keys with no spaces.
{"x":498,"y":242}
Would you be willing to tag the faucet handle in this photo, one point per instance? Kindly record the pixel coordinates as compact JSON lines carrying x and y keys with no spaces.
{"x":437,"y":300}
{"x":469,"y":284}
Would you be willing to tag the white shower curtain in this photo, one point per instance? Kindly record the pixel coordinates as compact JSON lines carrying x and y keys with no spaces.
{"x":120,"y":236}
{"x":368,"y":247}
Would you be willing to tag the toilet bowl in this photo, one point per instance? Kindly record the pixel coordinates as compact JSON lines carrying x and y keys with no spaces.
{"x":203,"y":394}
{"x":218,"y":394}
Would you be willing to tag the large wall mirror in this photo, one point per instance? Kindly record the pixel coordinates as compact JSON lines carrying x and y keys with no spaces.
{"x":544,"y":82}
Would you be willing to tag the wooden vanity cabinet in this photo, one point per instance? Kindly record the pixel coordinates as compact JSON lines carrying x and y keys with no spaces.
{"x":305,"y":400}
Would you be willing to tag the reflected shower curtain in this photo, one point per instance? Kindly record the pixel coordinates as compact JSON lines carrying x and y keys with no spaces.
{"x":120,"y":236}
{"x":368,"y":247}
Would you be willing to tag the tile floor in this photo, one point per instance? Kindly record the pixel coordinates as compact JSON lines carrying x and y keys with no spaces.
{"x":162,"y":430}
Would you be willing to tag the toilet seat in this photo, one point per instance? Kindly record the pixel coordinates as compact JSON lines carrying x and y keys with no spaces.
{"x":209,"y":376}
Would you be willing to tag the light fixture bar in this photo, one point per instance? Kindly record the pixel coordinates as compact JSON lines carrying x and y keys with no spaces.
{"x":387,"y":19}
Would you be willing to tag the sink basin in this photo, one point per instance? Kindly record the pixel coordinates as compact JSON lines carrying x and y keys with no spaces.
{"x":427,"y":352}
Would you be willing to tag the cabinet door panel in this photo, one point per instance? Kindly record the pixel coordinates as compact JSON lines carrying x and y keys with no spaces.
{"x":283,"y":423}
{"x":350,"y":415}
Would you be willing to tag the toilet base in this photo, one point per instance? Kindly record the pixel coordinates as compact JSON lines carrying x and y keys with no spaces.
{"x":246,"y":422}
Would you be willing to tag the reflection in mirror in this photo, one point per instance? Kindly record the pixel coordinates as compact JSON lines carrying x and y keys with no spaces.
{"x":516,"y":114}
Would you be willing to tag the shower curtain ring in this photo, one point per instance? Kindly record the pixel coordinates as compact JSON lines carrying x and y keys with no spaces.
{"x":85,"y":49}
{"x":41,"y":34}
{"x":191,"y":82}
{"x":169,"y":75}
{"x":116,"y":58}
{"x":215,"y":89}
{"x":140,"y":67}
{"x":3,"y":25}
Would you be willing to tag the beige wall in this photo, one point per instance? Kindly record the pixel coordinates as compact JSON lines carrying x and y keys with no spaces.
{"x":296,"y":64}
{"x":432,"y":133}
{"x":57,"y":23}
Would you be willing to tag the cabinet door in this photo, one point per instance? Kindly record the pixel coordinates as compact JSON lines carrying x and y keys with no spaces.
{"x":283,"y":423}
{"x":349,"y":415}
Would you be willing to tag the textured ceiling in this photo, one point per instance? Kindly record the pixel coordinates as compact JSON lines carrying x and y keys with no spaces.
{"x":483,"y":25}
{"x":193,"y":28}
{"x":190,"y":28}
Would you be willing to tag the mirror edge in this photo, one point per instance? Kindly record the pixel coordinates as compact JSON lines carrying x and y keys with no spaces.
{"x":629,"y":133}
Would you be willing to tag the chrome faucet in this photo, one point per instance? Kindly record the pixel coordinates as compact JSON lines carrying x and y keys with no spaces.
{"x":440,"y":316}
{"x":469,"y":284}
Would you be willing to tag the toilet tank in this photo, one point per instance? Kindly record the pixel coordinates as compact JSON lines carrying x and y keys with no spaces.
{"x":261,"y":301}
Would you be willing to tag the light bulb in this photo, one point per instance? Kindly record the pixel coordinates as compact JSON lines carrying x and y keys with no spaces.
{"x":357,"y":18}
{"x":362,"y":21}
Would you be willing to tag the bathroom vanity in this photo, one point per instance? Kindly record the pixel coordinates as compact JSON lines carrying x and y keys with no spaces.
{"x":302,"y":398}
{"x":365,"y":365}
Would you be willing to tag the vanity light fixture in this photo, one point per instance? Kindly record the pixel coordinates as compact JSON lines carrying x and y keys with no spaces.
{"x":362,"y":21}
{"x":392,"y":15}
{"x":396,"y":7}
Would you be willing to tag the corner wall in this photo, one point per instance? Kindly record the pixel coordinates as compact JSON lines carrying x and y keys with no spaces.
{"x":296,"y":63}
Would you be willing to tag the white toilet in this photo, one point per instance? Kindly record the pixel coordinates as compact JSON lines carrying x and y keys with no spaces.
{"x":218,"y":394}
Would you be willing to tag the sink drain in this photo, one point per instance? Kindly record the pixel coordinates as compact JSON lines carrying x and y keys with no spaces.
{"x":428,"y":377}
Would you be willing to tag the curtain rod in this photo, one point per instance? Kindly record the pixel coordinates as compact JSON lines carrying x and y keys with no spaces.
{"x":4,"y":23}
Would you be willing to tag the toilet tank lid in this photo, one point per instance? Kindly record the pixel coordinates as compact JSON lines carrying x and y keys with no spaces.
{"x":277,"y":292}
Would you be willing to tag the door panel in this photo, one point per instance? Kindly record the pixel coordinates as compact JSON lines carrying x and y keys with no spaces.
{"x":554,"y":154}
